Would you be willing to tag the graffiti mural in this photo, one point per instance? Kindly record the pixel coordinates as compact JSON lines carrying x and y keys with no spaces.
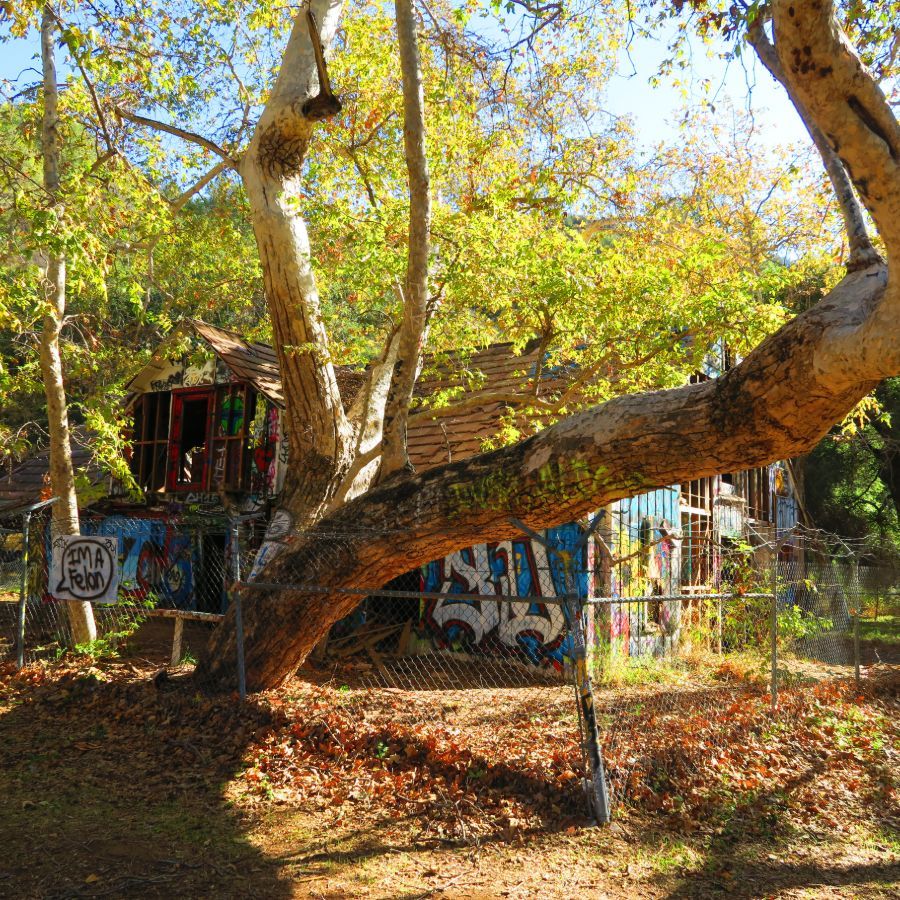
{"x":530,"y":630}
{"x":156,"y":562}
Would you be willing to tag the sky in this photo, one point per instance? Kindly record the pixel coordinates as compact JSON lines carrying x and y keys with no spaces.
{"x":654,"y":108}
{"x":743,"y":82}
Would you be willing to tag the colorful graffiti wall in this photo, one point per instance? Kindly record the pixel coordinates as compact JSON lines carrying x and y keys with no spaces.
{"x":167,"y":564}
{"x":530,"y":630}
{"x":643,"y":534}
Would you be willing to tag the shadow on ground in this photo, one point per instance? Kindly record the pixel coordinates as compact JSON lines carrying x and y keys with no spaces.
{"x":116,"y":789}
{"x":112,"y":785}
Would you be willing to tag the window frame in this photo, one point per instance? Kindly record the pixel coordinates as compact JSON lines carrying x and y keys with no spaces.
{"x":145,"y":446}
{"x":239,"y":440}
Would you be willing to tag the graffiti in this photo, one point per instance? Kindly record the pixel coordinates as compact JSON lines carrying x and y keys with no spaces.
{"x":176,"y":375}
{"x":266,"y":553}
{"x":202,"y":498}
{"x":84,"y":568}
{"x":196,"y":375}
{"x":218,"y":473}
{"x":279,"y":525}
{"x":265,"y":450}
{"x":167,"y":570}
{"x":155,"y":562}
{"x":532,"y":630}
{"x":231,"y":415}
{"x":223,"y":375}
{"x":278,"y":534}
{"x":166,"y":384}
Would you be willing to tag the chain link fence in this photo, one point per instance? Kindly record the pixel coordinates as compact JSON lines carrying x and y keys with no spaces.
{"x":643,"y":641}
{"x":649,"y":654}
{"x":171,"y":588}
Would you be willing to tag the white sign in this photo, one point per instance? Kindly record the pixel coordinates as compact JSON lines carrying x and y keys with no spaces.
{"x":85,"y":568}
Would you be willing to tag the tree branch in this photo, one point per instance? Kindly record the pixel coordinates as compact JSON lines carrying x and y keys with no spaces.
{"x":183,"y":199}
{"x":182,"y":133}
{"x":394,"y":456}
{"x":849,"y":108}
{"x":862,"y":252}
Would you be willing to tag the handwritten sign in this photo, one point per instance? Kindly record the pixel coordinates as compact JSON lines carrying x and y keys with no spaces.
{"x":85,"y":568}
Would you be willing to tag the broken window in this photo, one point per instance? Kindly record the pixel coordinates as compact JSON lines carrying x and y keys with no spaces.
{"x":188,"y":457}
{"x":235,"y":408}
{"x":149,"y":440}
{"x":696,"y":524}
{"x":759,"y":495}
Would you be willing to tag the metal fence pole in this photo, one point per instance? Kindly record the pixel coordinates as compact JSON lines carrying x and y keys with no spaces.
{"x":857,"y":607}
{"x":599,"y":794}
{"x":23,"y":590}
{"x":720,"y":624}
{"x":774,"y":627}
{"x":238,"y":618}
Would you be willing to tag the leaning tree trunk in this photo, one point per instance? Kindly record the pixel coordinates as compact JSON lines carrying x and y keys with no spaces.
{"x":777,"y":403}
{"x":62,"y":473}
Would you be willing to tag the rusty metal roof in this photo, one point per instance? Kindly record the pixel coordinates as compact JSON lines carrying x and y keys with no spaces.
{"x":29,"y":482}
{"x":474,"y":378}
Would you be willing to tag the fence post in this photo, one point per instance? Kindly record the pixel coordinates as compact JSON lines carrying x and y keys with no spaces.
{"x":23,"y":590}
{"x":775,"y":631}
{"x":857,"y":613}
{"x":238,"y":619}
{"x":719,"y":601}
{"x":599,"y":795}
{"x":599,"y":791}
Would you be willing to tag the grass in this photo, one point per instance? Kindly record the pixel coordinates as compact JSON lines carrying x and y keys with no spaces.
{"x":885,"y":629}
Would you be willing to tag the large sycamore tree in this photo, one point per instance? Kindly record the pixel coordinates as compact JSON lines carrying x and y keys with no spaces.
{"x":778,"y":402}
{"x":349,"y":473}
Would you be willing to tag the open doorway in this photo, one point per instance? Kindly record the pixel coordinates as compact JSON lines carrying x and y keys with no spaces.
{"x":190,"y":434}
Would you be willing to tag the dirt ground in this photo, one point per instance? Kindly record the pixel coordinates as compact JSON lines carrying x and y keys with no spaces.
{"x":114,"y":784}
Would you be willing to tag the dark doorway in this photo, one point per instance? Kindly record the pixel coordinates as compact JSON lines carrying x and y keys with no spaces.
{"x":190,"y":433}
{"x":211,"y":577}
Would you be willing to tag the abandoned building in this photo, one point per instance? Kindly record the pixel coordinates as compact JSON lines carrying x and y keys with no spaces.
{"x":207,"y":442}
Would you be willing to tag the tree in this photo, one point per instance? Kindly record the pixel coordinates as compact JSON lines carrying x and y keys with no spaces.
{"x":778,"y":402}
{"x":856,"y":473}
{"x":62,"y":472}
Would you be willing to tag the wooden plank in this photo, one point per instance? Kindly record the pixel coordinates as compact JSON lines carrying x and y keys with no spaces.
{"x":176,"y":642}
{"x":183,"y":614}
{"x":376,"y":658}
{"x":405,"y":636}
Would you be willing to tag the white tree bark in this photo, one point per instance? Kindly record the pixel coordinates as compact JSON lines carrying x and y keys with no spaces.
{"x":848,"y":107}
{"x":394,"y":455}
{"x":62,"y":473}
{"x":321,"y":435}
{"x":862,"y":251}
